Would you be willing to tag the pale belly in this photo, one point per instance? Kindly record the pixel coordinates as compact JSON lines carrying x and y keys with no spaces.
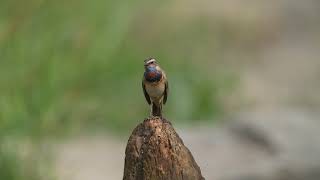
{"x":155,"y":91}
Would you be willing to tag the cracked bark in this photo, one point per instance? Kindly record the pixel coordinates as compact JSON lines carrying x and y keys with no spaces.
{"x":156,"y":152}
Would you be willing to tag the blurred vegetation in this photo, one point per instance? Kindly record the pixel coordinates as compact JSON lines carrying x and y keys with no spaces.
{"x":22,"y":159}
{"x":75,"y":66}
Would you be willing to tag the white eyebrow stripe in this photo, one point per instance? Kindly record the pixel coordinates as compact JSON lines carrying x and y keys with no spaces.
{"x":151,"y":60}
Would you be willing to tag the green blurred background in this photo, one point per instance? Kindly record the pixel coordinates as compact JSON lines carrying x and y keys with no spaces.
{"x":75,"y":67}
{"x":78,"y":65}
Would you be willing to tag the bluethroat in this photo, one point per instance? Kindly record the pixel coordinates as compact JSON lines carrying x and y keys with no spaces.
{"x":155,"y":86}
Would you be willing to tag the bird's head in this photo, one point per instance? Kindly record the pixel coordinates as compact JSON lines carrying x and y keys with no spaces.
{"x":151,"y":64}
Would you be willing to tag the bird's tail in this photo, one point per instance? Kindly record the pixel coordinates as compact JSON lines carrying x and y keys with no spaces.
{"x":157,"y":109}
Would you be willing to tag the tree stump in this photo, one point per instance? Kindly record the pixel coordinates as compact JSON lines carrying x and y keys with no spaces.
{"x":155,"y":152}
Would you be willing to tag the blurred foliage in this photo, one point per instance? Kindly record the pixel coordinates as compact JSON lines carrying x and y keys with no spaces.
{"x":74,"y":66}
{"x":21,"y":160}
{"x":70,"y":66}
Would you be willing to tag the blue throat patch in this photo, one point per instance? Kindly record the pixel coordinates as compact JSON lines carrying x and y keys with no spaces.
{"x":152,"y":75}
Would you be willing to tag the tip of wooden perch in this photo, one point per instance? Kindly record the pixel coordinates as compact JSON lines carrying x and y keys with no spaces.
{"x":155,"y":151}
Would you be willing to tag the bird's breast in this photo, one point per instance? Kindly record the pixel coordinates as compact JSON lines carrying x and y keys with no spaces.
{"x":153,"y":76}
{"x":155,"y":90}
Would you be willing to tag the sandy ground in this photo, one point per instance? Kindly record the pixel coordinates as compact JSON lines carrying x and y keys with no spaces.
{"x":94,"y":158}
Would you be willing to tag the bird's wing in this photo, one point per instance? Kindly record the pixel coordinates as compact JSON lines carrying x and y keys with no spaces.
{"x":146,"y":95}
{"x":166,"y":91}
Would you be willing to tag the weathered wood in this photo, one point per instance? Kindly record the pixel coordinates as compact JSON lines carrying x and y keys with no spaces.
{"x":156,"y":152}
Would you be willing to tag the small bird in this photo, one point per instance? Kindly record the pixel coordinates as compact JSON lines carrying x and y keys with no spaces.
{"x":155,"y":86}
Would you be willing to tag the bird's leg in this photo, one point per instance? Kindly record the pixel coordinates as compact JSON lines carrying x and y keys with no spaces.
{"x":156,"y":109}
{"x":160,"y":110}
{"x":151,"y":112}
